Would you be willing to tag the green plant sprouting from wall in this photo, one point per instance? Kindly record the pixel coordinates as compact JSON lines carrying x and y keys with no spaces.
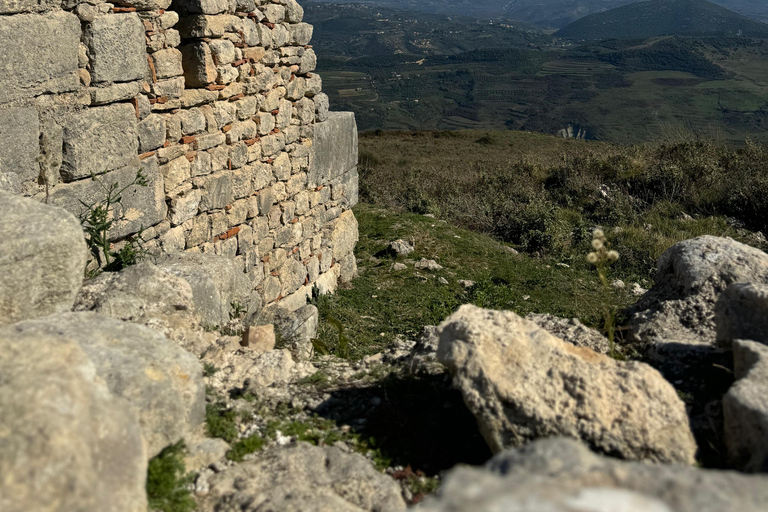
{"x":602,"y":257}
{"x":100,"y":217}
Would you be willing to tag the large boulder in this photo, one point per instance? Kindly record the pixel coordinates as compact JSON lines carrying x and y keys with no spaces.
{"x":42,"y":258}
{"x":745,"y":407}
{"x":217,"y":284}
{"x":66,"y":443}
{"x":562,"y":475}
{"x":741,"y":312}
{"x":303,"y":477}
{"x":679,"y":309}
{"x":162,"y":381}
{"x":522,"y":383}
{"x":147,"y":295}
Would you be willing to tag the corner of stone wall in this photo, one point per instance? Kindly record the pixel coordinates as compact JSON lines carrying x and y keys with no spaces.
{"x":215,"y":100}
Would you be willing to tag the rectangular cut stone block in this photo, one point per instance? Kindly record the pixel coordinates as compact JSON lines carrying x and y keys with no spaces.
{"x":143,"y":206}
{"x":19,"y":133}
{"x":17,"y":6}
{"x":99,"y":139}
{"x":199,"y":68}
{"x":334,"y":150}
{"x":39,"y":54}
{"x":117,"y":48}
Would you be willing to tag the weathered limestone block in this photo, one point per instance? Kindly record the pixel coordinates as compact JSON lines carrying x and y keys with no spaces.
{"x":68,"y":443}
{"x":741,"y":312}
{"x":151,"y":133}
{"x":294,"y":13}
{"x":162,"y":381}
{"x":42,"y":259}
{"x":217,"y":282}
{"x":199,"y":67}
{"x":20,"y":134}
{"x":522,"y":383}
{"x":145,"y":5}
{"x":563,"y":475}
{"x":24,"y":6}
{"x":334,"y":149}
{"x":143,"y":206}
{"x":39,"y":54}
{"x":99,"y":139}
{"x":114,"y":92}
{"x":204,"y":25}
{"x":300,"y":33}
{"x":745,"y":407}
{"x":304,"y":477}
{"x":116,"y":48}
{"x":203,"y":6}
{"x":167,"y":63}
{"x":146,"y":295}
{"x":343,"y":235}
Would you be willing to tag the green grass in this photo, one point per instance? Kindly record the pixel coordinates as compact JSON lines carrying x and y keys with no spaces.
{"x":167,"y":481}
{"x":541,"y":195}
{"x":221,"y":422}
{"x":383,"y":303}
{"x":245,"y":446}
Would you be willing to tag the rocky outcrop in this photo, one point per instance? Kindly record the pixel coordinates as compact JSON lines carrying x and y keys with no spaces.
{"x":741,"y":312}
{"x":303,"y":477}
{"x":159,"y":379}
{"x":42,"y":258}
{"x":522,"y":383}
{"x":67,"y":442}
{"x":562,"y":475}
{"x":678,"y":311}
{"x":745,"y":407}
{"x":142,"y":294}
{"x":572,"y":331}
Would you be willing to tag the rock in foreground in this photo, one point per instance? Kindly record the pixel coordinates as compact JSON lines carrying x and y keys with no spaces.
{"x":562,"y":475}
{"x":303,"y":478}
{"x":522,"y":383}
{"x":66,"y":443}
{"x":745,"y":407}
{"x":42,"y":259}
{"x":679,"y":309}
{"x":162,"y":381}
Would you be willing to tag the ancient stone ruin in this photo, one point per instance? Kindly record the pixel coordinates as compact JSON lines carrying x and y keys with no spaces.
{"x":215,"y":101}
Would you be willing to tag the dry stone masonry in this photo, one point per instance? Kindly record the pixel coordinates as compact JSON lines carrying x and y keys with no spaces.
{"x":215,"y":101}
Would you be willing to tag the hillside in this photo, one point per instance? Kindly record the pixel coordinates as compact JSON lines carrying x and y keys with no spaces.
{"x":547,"y":14}
{"x":558,"y":13}
{"x":643,"y":20}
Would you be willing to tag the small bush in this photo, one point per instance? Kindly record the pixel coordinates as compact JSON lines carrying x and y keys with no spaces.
{"x":167,"y":483}
{"x":245,"y":446}
{"x":220,"y":422}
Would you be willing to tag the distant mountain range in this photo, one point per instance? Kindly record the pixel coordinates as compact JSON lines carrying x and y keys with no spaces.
{"x":544,"y":13}
{"x":558,"y":13}
{"x":653,"y":18}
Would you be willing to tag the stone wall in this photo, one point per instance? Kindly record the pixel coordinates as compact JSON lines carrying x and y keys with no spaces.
{"x":215,"y":101}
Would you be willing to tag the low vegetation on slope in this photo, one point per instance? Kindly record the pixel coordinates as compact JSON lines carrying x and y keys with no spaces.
{"x":654,"y":18}
{"x":545,"y":195}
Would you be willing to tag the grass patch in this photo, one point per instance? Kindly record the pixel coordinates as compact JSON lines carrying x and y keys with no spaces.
{"x":167,"y":481}
{"x":383,"y":304}
{"x":245,"y":446}
{"x":220,"y":422}
{"x":324,"y":432}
